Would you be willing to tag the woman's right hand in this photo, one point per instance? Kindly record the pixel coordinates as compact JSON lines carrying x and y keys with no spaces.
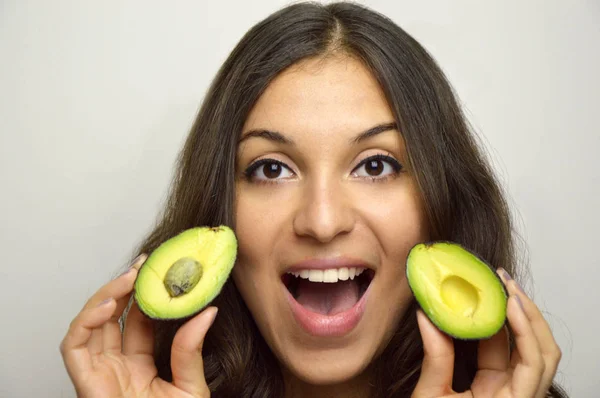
{"x":103,"y":363}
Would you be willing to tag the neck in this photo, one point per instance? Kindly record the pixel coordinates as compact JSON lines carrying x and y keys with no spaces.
{"x":357,"y":387}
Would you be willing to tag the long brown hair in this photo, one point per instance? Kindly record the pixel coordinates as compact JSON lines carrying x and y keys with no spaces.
{"x":463,"y":200}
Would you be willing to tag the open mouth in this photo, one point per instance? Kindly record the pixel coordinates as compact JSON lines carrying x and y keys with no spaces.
{"x":328,"y":292}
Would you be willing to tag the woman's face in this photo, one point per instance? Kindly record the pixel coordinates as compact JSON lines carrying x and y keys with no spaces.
{"x":324,"y":192}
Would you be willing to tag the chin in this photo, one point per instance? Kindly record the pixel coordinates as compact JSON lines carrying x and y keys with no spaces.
{"x":327,"y":367}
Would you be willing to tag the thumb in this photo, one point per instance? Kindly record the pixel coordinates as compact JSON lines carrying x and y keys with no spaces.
{"x":186,"y":354}
{"x":438,"y":361}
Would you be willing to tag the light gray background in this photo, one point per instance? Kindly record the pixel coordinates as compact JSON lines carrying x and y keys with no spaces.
{"x":96,"y":98}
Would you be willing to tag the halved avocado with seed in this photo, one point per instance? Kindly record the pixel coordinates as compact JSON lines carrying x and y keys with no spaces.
{"x":185,"y":273}
{"x":457,"y":290}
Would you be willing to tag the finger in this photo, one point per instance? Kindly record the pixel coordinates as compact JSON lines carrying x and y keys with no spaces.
{"x":493,"y":362}
{"x":138,"y":336}
{"x":74,"y":347}
{"x":117,"y":288}
{"x":494,"y":353}
{"x":438,"y":360}
{"x":114,"y":287}
{"x":109,"y":337}
{"x":528,"y":371}
{"x":550,"y":350}
{"x":186,"y":354}
{"x":111,"y":330}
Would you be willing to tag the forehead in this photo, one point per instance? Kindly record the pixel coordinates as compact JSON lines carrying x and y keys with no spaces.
{"x":321,"y":96}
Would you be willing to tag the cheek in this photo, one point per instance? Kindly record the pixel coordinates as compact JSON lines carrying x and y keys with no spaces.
{"x":262,"y":217}
{"x":255,"y":274}
{"x":257,"y":239}
{"x":398,"y":224}
{"x":248,"y":226}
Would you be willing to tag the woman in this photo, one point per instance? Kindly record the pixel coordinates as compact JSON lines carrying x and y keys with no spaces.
{"x":329,"y":139}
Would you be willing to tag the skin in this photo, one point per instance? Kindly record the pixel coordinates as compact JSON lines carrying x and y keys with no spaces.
{"x":326,"y":205}
{"x":102,"y":364}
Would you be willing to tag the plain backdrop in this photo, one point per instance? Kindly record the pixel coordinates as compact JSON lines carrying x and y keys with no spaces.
{"x":97,"y":97}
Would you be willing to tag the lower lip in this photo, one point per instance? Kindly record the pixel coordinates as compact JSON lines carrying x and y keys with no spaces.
{"x":321,"y":325}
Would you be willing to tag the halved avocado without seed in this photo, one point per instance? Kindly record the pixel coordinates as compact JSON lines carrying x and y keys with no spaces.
{"x":457,"y":290}
{"x":185,"y":273}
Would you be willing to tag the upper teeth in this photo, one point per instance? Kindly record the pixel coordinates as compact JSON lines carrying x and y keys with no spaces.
{"x":328,"y":275}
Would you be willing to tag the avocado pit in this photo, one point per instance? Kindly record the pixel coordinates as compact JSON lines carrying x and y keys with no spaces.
{"x":183,"y":276}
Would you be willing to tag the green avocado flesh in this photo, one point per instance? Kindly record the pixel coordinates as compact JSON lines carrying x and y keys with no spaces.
{"x":459,"y":292}
{"x":185,"y":273}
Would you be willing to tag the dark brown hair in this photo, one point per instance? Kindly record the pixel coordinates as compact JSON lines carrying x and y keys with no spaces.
{"x":462,"y":198}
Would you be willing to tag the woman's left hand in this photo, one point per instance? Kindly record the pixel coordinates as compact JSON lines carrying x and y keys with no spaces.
{"x":527,"y":373}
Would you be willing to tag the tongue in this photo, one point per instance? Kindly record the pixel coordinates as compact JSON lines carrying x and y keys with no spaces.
{"x":327,"y":298}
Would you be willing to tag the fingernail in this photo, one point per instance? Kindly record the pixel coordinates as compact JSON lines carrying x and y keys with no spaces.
{"x":105,"y":301}
{"x":519,"y":301}
{"x":133,"y":264}
{"x":214,"y":316}
{"x":505,"y":274}
{"x":137,"y":260}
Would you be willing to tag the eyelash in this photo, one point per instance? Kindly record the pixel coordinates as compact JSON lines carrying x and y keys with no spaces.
{"x":396,"y":166}
{"x":261,"y":162}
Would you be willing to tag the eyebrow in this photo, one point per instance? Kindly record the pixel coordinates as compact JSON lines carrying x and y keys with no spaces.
{"x":373,"y":131}
{"x":268,"y":135}
{"x":278,"y":137}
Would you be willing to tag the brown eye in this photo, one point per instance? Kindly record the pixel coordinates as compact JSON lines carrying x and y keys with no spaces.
{"x":268,"y":170}
{"x":378,"y":167}
{"x":272,"y":170}
{"x":374,"y":167}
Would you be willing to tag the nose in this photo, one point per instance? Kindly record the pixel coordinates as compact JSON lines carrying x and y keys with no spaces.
{"x":324,"y":213}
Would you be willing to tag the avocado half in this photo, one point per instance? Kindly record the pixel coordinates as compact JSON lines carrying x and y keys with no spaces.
{"x":185,"y":273}
{"x":458,"y":291}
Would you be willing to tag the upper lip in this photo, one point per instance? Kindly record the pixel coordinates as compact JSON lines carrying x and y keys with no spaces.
{"x":328,"y":263}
